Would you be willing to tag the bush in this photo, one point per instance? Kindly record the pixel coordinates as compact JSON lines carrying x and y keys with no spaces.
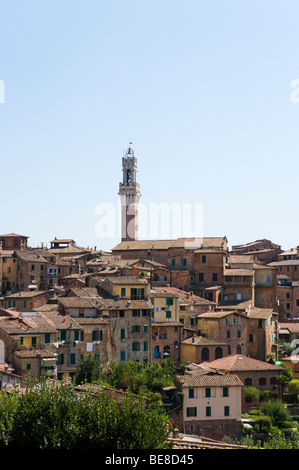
{"x":262,"y":424}
{"x":54,"y":416}
{"x":276,"y":411}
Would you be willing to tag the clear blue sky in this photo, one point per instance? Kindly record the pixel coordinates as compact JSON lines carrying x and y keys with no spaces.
{"x":201,"y":88}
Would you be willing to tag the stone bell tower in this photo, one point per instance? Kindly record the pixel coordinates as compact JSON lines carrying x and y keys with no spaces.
{"x":129,"y":192}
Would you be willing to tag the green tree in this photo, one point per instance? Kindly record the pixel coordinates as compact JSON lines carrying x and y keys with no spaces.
{"x":55,"y":416}
{"x":89,"y":371}
{"x":276,"y":411}
{"x":251,"y":393}
{"x":284,"y":378}
{"x":293,"y":387}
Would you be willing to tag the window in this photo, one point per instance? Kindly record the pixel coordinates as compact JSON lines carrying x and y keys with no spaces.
{"x":250,"y":338}
{"x":135,"y":346}
{"x":63,"y":335}
{"x":191,"y":392}
{"x":123,"y":292}
{"x":201,"y":277}
{"x":260,"y":323}
{"x":25,"y":303}
{"x":225,"y":392}
{"x":228,"y":334}
{"x":97,"y":357}
{"x":122,"y":355}
{"x":238,"y":296}
{"x":32,"y":267}
{"x":191,"y":411}
{"x":145,"y":329}
{"x":168,"y":314}
{"x":28,"y":366}
{"x":81,"y":311}
{"x":208,"y":392}
{"x":269,"y":278}
{"x":262,"y":381}
{"x":136,"y":329}
{"x":259,"y":297}
{"x":185,"y":262}
{"x":248,"y":381}
{"x":136,"y":313}
{"x":239,"y":334}
{"x":47,"y":338}
{"x":226,"y":411}
{"x":214,"y":277}
{"x":145,"y":346}
{"x":94,"y":335}
{"x":208,"y":411}
{"x":173,"y":262}
{"x":122,"y":333}
{"x":169,"y":301}
{"x":297,"y":302}
{"x":288,"y":306}
{"x":73,"y":358}
{"x":82,"y":335}
{"x":203,"y":259}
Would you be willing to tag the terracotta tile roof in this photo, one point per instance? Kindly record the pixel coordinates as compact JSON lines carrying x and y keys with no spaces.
{"x":293,"y":327}
{"x":13,"y":235}
{"x":185,"y":298}
{"x":37,"y":322}
{"x":31,"y":256}
{"x":85,"y":292}
{"x":239,"y":363}
{"x":209,"y":380}
{"x":238,"y":272}
{"x":256,"y":312}
{"x":203,"y":341}
{"x":101,"y":303}
{"x":193,"y":442}
{"x":219,"y":314}
{"x":126,"y":280}
{"x":26,"y":294}
{"x":166,"y":244}
{"x":23,"y":353}
{"x":167,"y":323}
{"x":286,"y":262}
{"x":92,"y":321}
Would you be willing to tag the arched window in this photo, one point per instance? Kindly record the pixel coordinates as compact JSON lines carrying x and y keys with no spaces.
{"x":273,"y":381}
{"x":262,"y":381}
{"x":248,"y":381}
{"x":166,"y":351}
{"x":218,"y":353}
{"x":238,"y":349}
{"x":205,"y":354}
